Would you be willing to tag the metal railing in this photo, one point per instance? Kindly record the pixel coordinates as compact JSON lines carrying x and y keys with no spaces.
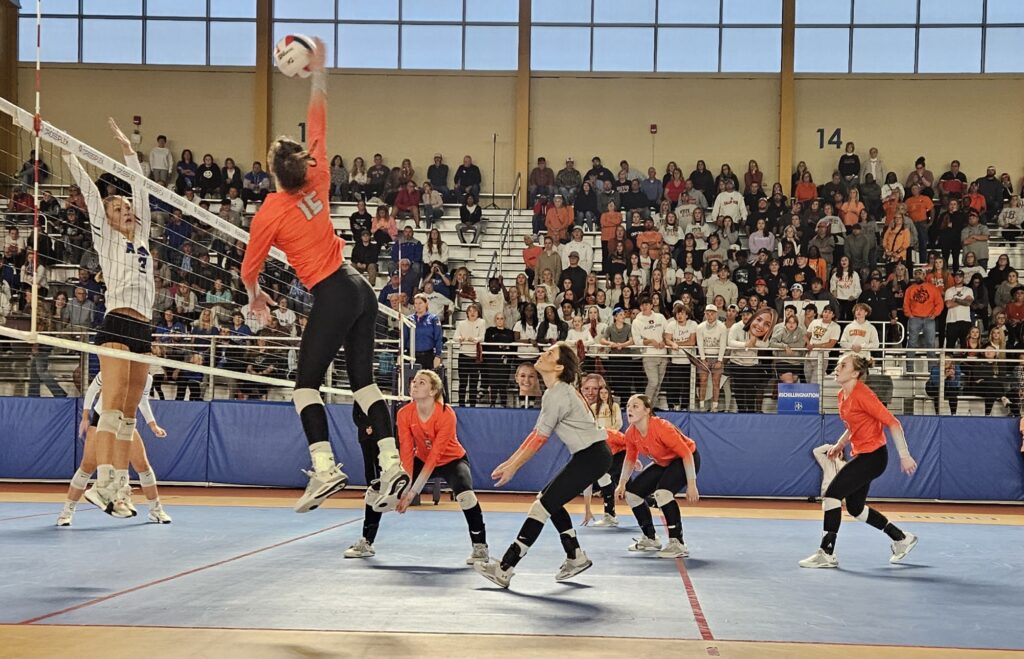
{"x":507,"y":229}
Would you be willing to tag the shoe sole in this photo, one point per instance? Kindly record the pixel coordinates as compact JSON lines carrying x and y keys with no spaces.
{"x":643,"y":550}
{"x":63,"y":526}
{"x":390,"y":500}
{"x":682,"y":554}
{"x":579,"y":570}
{"x":159,"y":521}
{"x":95,"y":500}
{"x":315,"y":502}
{"x":897,"y":559}
{"x":820,"y":565}
{"x":474,"y":561}
{"x":490,"y":577}
{"x":360,"y":555}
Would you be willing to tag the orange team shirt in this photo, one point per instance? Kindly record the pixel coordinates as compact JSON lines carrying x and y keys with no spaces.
{"x":299,"y":223}
{"x":918,"y":207}
{"x":616,"y":441}
{"x":865,"y":417}
{"x":432,"y":441}
{"x":663,"y":443}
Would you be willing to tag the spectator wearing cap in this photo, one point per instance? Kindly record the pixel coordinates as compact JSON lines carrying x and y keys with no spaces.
{"x":568,"y":180}
{"x":584,"y":250}
{"x":878,"y":299}
{"x":975,"y":237}
{"x":437,"y":175}
{"x":743,"y":273}
{"x":858,"y":248}
{"x":599,"y":171}
{"x":822,"y":335}
{"x":689,"y":286}
{"x":649,"y":336}
{"x":731,"y":203}
{"x":541,"y":181}
{"x":958,"y":298}
{"x":576,"y":274}
{"x":712,"y":341}
{"x":558,"y":219}
{"x":922,"y":304}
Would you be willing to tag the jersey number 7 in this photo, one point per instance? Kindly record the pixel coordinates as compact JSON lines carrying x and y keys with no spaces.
{"x":310,"y":205}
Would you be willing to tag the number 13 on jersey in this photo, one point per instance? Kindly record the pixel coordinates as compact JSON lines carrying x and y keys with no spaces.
{"x":310,"y":205}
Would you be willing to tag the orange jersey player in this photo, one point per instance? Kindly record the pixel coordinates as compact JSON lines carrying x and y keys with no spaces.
{"x":428,"y":444}
{"x":297,"y":220}
{"x":675,"y":463}
{"x":866,"y":419}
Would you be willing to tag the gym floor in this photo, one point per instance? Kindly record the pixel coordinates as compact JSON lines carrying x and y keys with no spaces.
{"x":239,"y":575}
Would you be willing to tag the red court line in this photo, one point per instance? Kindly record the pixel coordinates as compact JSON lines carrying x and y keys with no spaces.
{"x":691,"y":594}
{"x":186,"y":573}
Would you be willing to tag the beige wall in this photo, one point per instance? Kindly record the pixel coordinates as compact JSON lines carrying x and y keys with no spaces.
{"x":205,"y":111}
{"x":977,"y":121}
{"x":402,"y":115}
{"x":411,"y":116}
{"x":715,"y":119}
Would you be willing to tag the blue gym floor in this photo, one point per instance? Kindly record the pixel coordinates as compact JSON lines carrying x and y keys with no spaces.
{"x":269,"y":568}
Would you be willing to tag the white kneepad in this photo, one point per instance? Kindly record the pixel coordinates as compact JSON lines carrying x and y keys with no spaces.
{"x":110,"y":421}
{"x":829,"y":503}
{"x":467,"y":499}
{"x":367,"y":396}
{"x":538,"y":512}
{"x":303,"y":398}
{"x":80,"y":480}
{"x":126,"y":431}
{"x":633,"y":500}
{"x":663,"y":497}
{"x":604,"y":481}
{"x":147,"y":478}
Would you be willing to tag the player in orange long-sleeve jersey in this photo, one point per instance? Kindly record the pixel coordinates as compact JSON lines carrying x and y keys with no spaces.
{"x":428,"y":444}
{"x":297,"y":220}
{"x":865,"y":417}
{"x":675,"y":463}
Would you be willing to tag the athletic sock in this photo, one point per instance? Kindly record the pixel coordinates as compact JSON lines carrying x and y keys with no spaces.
{"x":528,"y":535}
{"x":673,"y":519}
{"x":314,"y":424}
{"x":104,"y":474}
{"x":120,"y":477}
{"x":833,"y":518}
{"x":608,"y":493}
{"x":322,"y":456}
{"x":894,"y":532}
{"x":644,"y":519}
{"x":475,"y":521}
{"x":388,"y":456}
{"x":570,"y":543}
{"x":371,"y":522}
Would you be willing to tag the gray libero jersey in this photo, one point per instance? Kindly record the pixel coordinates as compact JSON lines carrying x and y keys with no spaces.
{"x":563,"y":412}
{"x":126,"y":265}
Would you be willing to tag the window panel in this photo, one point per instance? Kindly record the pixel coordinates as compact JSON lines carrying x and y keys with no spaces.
{"x":307,"y":9}
{"x":1005,"y":11}
{"x":1003,"y":50}
{"x":368,"y":10}
{"x":111,"y":41}
{"x":824,"y":12}
{"x":323,"y":30}
{"x":751,"y":50}
{"x":112,"y":7}
{"x":232,"y":43}
{"x":560,"y":48}
{"x":738,"y":12}
{"x":688,"y":49}
{"x":561,"y":11}
{"x":59,"y":40}
{"x":894,"y":12}
{"x":949,"y":50}
{"x":623,"y":49}
{"x":176,"y":8}
{"x":951,"y":11}
{"x":883,"y":50}
{"x":492,"y":48}
{"x":368,"y":46}
{"x":700,"y":12}
{"x":431,"y":47}
{"x":432,"y":10}
{"x":822,"y":50}
{"x":176,"y":42}
{"x":51,"y":7}
{"x":233,"y":8}
{"x":617,"y":12}
{"x":492,"y":10}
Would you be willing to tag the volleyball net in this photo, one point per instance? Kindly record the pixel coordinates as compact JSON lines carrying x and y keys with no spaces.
{"x":207,"y":342}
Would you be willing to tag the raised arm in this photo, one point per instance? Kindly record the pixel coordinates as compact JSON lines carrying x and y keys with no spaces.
{"x":140,"y":199}
{"x":93,"y":202}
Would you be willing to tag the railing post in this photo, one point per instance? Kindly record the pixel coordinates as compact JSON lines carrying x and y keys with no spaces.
{"x":451,"y":361}
{"x":822,"y":358}
{"x":213,"y":363}
{"x":942,"y":382}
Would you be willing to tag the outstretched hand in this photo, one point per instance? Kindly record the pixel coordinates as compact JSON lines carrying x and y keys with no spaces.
{"x":157,"y":430}
{"x":908,"y":465}
{"x":503,"y":473}
{"x":318,"y":57}
{"x":122,"y":139}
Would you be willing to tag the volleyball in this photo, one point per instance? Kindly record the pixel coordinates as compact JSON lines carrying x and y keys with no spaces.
{"x":292,"y":55}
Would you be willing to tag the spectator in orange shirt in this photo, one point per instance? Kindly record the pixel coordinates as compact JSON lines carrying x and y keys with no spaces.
{"x":850,"y":210}
{"x":530,"y":254}
{"x":976,"y":200}
{"x":649,"y":235}
{"x":558,"y":220}
{"x":921,"y":210}
{"x":806,"y":190}
{"x":922,"y":304}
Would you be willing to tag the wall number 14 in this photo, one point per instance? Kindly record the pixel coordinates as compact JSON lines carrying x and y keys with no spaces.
{"x":835,"y":139}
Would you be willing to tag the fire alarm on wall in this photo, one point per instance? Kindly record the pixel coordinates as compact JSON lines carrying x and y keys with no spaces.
{"x":654,"y":129}
{"x":137,"y":120}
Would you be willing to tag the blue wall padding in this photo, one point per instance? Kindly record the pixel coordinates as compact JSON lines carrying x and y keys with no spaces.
{"x":256,"y":443}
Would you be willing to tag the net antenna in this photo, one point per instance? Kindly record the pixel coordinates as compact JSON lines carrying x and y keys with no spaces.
{"x":44,"y":132}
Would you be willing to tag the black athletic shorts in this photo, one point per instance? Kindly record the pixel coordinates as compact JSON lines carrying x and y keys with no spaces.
{"x":94,"y":419}
{"x":118,"y":328}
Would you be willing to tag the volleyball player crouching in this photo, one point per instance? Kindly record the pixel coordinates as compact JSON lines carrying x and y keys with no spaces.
{"x":428,"y":444}
{"x":866,"y":418}
{"x":297,"y":220}
{"x":676,"y":463}
{"x":138,"y":458}
{"x":122,"y":244}
{"x":564,"y":412}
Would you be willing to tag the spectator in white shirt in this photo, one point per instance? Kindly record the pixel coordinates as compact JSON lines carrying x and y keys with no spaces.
{"x":648,"y":332}
{"x":576,"y":244}
{"x":680,"y":335}
{"x":859,"y":334}
{"x":712,"y":338}
{"x":729,"y":203}
{"x":160,"y":161}
{"x":822,"y":336}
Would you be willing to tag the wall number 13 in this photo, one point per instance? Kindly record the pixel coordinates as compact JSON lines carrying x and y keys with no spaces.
{"x":835,"y":139}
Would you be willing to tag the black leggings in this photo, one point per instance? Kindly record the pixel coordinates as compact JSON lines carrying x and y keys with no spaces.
{"x":344,"y":314}
{"x":608,"y":491}
{"x":851,"y":484}
{"x":671,"y":477}
{"x":583,"y":468}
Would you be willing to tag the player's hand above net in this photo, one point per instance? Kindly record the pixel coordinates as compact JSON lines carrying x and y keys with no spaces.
{"x":122,"y":139}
